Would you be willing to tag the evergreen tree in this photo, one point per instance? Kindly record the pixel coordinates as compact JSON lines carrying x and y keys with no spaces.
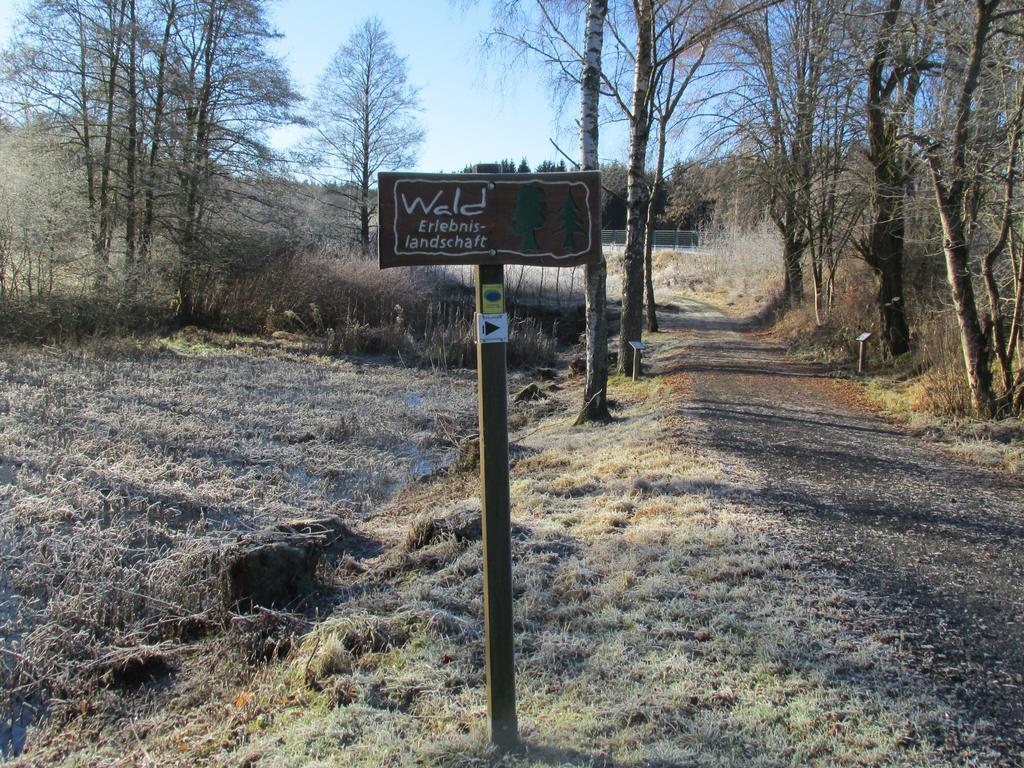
{"x":529,"y":215}
{"x":570,"y":222}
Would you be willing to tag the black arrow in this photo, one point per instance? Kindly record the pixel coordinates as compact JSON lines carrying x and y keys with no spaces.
{"x":490,"y":327}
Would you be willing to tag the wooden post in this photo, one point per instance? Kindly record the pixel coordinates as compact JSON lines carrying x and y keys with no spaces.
{"x":492,"y":401}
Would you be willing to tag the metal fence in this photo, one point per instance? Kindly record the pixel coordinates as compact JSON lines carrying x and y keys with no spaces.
{"x":677,"y":239}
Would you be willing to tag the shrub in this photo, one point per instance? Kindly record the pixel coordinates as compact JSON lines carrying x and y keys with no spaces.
{"x":944,"y":388}
{"x":420,"y":314}
{"x":71,"y":319}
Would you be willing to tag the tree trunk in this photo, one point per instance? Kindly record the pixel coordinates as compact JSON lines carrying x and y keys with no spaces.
{"x":364,"y":218}
{"x":631,"y":324}
{"x":131,"y":171}
{"x":659,"y":171}
{"x":149,"y":211}
{"x":595,"y":393}
{"x":950,"y":181}
{"x":884,"y":254}
{"x":792,"y":254}
{"x":101,"y":243}
{"x":1003,"y":345}
{"x":1016,"y":339}
{"x":364,"y":177}
{"x":890,"y":303}
{"x":197,"y":170}
{"x":818,"y":280}
{"x":891,"y":165}
{"x":83,"y":97}
{"x":977,"y":357}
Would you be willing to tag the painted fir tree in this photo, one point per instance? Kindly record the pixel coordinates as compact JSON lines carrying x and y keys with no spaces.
{"x":529,"y":215}
{"x":570,"y":224}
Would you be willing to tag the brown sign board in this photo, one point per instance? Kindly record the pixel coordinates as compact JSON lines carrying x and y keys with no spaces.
{"x":543,"y":219}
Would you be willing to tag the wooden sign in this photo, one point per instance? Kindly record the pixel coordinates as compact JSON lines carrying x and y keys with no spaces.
{"x":543,"y":219}
{"x":492,"y":219}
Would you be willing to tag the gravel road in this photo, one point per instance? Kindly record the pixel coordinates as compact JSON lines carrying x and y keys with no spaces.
{"x":934,"y":542}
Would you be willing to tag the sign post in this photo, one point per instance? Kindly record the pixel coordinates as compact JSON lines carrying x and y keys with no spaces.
{"x":862,"y":340}
{"x":492,"y":219}
{"x":638,"y":348}
{"x":492,"y":406}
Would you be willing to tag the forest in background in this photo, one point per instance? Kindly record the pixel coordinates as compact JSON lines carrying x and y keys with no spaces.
{"x":880,"y":139}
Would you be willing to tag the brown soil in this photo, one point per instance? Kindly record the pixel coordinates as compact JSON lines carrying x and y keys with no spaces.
{"x":933,"y":542}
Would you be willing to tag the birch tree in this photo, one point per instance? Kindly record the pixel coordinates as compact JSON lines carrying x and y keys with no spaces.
{"x":664,"y":32}
{"x":595,"y":393}
{"x":670,"y":87}
{"x":549,"y":33}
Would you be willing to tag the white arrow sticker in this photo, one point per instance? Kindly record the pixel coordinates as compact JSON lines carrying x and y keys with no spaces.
{"x":492,"y":329}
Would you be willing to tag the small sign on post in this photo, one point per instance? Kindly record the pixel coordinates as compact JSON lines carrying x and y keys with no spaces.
{"x":638,"y":348}
{"x":492,"y":219}
{"x":862,"y":352}
{"x":491,"y":328}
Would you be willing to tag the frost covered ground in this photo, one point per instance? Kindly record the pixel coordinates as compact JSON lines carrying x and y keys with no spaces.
{"x":121,"y":461}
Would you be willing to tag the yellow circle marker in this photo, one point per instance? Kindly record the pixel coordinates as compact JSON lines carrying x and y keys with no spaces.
{"x":492,"y":298}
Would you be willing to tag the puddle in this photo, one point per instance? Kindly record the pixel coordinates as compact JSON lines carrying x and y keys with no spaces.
{"x":15,"y":718}
{"x":16,"y":714}
{"x":427,"y":466}
{"x":425,"y":463}
{"x":7,"y":473}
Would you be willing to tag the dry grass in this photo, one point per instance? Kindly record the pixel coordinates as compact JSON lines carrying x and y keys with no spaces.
{"x":741,"y":271}
{"x":126,"y":470}
{"x":928,"y":392}
{"x":853,"y":313}
{"x":529,"y":286}
{"x":659,"y":622}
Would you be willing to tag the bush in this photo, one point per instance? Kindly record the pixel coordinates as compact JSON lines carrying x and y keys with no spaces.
{"x":343,"y":299}
{"x":357,"y":308}
{"x":944,"y":387}
{"x":852,"y":313}
{"x":62,"y":319}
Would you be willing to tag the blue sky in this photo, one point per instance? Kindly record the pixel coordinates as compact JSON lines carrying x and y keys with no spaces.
{"x":474,"y":110}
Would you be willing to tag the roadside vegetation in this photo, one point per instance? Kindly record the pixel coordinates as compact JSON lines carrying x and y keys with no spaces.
{"x":238,"y":510}
{"x":658,"y":618}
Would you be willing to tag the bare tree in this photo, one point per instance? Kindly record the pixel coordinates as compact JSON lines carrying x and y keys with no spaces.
{"x":835,"y":199}
{"x":227,"y":90}
{"x":897,"y":40}
{"x":664,"y":32}
{"x":164,"y":104}
{"x":66,"y":63}
{"x":962,"y":148}
{"x":151,"y":177}
{"x":364,"y":115}
{"x":547,"y":31}
{"x":778,"y":116}
{"x":670,"y":87}
{"x":43,"y":216}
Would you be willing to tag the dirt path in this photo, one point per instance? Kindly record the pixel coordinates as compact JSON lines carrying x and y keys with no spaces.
{"x":935,"y":543}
